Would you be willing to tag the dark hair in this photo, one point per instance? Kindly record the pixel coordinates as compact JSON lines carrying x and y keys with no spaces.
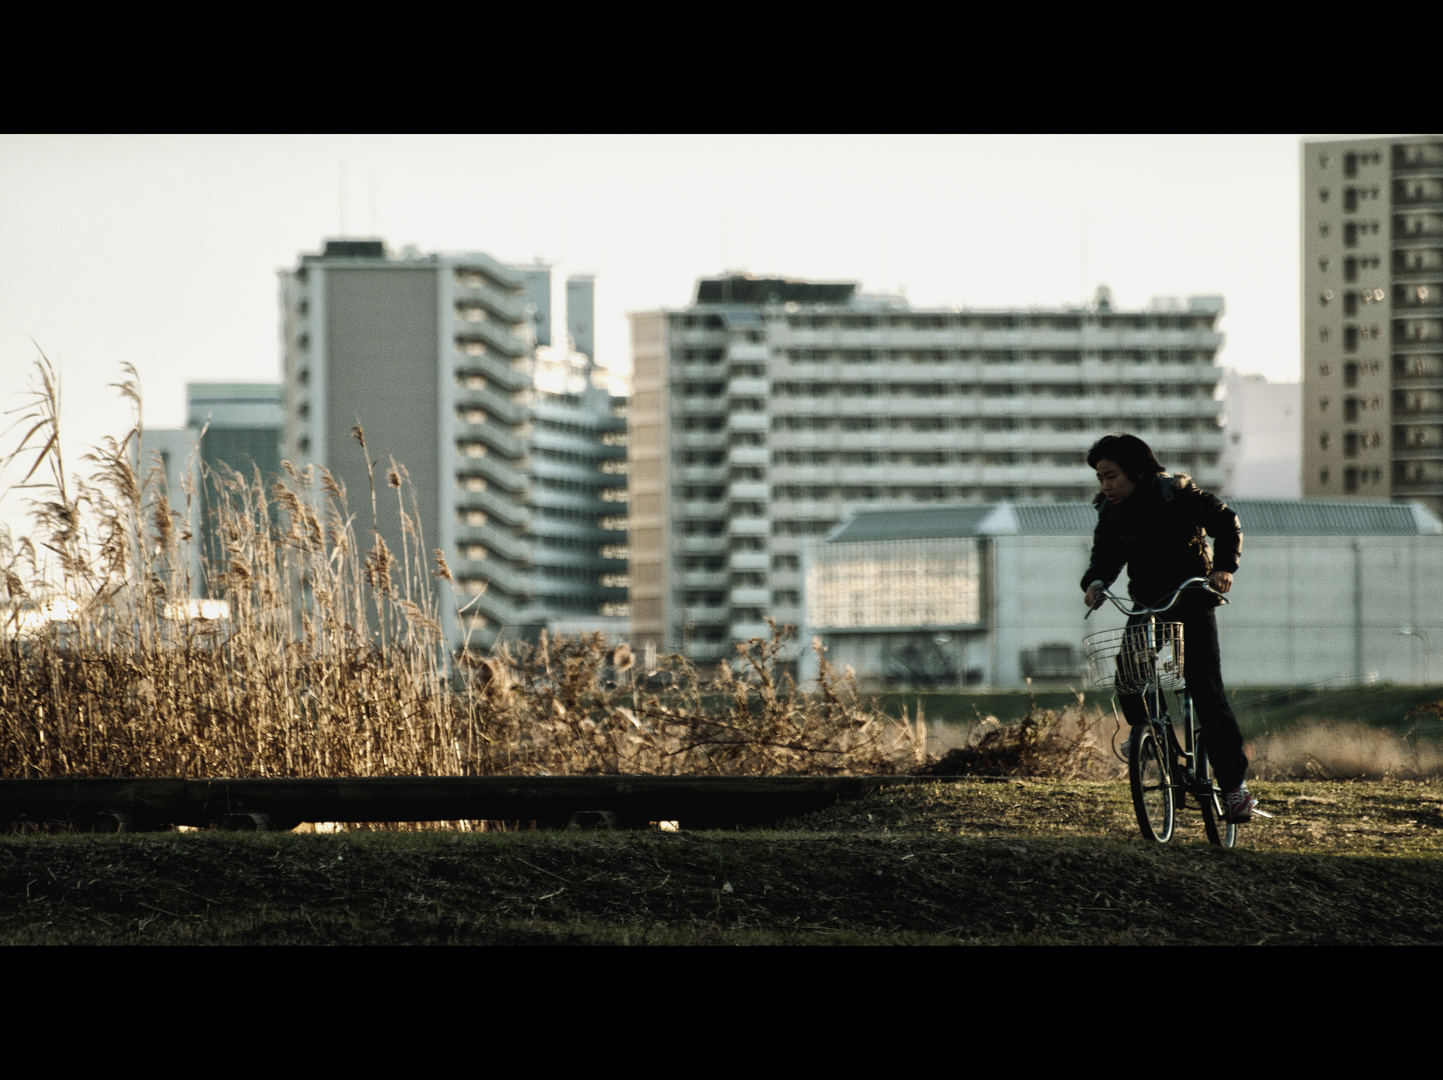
{"x":1129,"y":453}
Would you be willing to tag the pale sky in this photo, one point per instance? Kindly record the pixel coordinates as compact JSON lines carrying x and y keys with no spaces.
{"x":163,"y":252}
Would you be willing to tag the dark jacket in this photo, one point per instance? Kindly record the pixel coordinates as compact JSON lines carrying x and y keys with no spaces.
{"x":1157,"y":533}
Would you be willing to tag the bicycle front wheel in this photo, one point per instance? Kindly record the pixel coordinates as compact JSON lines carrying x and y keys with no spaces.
{"x":1220,"y":832}
{"x":1151,"y":777}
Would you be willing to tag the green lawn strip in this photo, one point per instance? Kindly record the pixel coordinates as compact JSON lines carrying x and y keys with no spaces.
{"x":971,"y":862}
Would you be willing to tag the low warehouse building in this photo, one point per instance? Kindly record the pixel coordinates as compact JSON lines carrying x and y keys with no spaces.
{"x":987,"y":595}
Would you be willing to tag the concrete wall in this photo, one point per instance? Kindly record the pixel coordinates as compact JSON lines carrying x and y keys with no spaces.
{"x":1318,"y":608}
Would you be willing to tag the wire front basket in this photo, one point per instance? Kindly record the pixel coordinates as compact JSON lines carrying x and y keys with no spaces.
{"x":1136,"y":658}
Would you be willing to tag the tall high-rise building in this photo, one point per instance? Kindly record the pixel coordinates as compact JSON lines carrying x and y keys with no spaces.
{"x":769,"y":410}
{"x":460,"y":369}
{"x":1373,"y":319}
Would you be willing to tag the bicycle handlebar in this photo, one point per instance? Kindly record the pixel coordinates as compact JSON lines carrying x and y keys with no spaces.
{"x":1139,"y":609}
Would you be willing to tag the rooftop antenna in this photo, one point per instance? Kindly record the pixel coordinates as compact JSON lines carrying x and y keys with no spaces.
{"x":1083,"y":269}
{"x":726,"y":224}
{"x":341,"y":199}
{"x":372,"y":179}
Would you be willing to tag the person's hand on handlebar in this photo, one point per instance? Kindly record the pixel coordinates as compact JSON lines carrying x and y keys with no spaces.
{"x":1093,"y":598}
{"x":1220,"y":580}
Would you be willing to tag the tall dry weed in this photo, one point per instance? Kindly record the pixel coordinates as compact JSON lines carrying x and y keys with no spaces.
{"x":1343,"y":750}
{"x":330,"y":660}
{"x":1070,"y":743}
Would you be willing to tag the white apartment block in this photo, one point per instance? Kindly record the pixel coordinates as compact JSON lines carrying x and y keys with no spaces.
{"x":770,"y":410}
{"x":1263,"y":433}
{"x":1373,"y":319}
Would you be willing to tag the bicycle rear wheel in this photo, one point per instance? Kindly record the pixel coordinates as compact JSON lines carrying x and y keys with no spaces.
{"x":1220,"y":832}
{"x":1151,"y":778}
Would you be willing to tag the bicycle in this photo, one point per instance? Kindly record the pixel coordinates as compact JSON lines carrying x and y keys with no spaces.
{"x":1147,"y":658}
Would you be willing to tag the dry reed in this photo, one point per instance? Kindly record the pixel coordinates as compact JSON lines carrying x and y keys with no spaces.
{"x":1066,"y":744}
{"x":331,"y":660}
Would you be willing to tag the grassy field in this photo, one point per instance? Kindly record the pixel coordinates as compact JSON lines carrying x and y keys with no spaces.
{"x":323,"y":655}
{"x":976,"y":861}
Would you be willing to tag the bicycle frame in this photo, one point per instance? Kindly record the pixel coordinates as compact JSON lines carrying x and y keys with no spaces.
{"x":1142,"y":659}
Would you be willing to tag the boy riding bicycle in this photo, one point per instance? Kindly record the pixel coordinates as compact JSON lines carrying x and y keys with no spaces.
{"x":1154,"y":524}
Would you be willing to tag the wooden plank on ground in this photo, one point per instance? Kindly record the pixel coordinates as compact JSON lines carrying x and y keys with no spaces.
{"x":695,"y":801}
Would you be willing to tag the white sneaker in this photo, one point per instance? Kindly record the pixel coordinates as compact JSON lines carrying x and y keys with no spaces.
{"x":1238,"y":805}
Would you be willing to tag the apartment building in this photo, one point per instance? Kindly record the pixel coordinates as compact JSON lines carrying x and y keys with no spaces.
{"x":229,"y":428}
{"x":770,"y":410}
{"x":1373,"y":319}
{"x":514,"y":446}
{"x":1263,"y":437}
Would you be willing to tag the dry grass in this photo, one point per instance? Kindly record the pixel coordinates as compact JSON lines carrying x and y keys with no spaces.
{"x":331,"y":661}
{"x":1073,"y":743}
{"x":1344,"y":750}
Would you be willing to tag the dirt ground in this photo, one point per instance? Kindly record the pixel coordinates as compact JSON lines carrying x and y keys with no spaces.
{"x":974,"y":861}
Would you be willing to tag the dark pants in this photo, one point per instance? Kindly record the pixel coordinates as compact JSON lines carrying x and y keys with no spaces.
{"x":1202,"y":668}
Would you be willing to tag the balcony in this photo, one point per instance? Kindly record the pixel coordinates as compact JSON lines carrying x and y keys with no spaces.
{"x":754,"y":490}
{"x":746,"y":631}
{"x":1417,"y":226}
{"x":503,"y":407}
{"x":1418,"y":489}
{"x":508,"y":308}
{"x":704,"y":579}
{"x":747,"y":351}
{"x":700,"y":474}
{"x":700,"y":440}
{"x":749,"y":560}
{"x":709,"y":650}
{"x":748,"y":455}
{"x":758,"y":388}
{"x":497,"y":506}
{"x":748,"y":421}
{"x":497,"y":369}
{"x":498,"y":540}
{"x":494,"y":335}
{"x":496,"y":436}
{"x":707,"y":615}
{"x":750,"y":596}
{"x":749,"y":526}
{"x":499,"y":575}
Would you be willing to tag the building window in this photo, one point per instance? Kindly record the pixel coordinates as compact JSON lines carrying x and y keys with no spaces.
{"x":1323,"y":477}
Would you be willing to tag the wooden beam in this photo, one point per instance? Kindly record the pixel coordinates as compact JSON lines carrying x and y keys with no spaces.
{"x":696,"y":801}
